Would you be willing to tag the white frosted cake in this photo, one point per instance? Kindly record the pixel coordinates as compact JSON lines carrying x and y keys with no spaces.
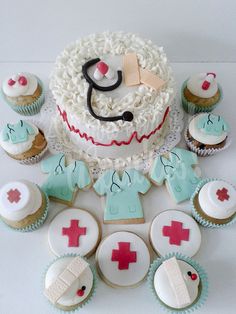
{"x":148,"y":108}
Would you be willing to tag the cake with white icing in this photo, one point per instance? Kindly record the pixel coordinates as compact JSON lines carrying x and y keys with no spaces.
{"x":142,"y":107}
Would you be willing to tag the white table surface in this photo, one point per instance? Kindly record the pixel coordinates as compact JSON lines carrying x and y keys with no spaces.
{"x":24,"y":256}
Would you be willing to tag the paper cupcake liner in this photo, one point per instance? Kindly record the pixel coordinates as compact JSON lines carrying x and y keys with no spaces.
{"x":35,"y":159}
{"x":32,"y":109}
{"x":205,"y":151}
{"x":201,"y":272}
{"x":192,"y":108}
{"x":36,"y":225}
{"x":92,"y":293}
{"x":197,"y":216}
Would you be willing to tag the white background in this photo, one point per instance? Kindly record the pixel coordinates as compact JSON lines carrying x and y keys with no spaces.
{"x":193,"y":33}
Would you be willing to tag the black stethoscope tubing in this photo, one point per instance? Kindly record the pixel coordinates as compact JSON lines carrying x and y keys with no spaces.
{"x":126,"y":116}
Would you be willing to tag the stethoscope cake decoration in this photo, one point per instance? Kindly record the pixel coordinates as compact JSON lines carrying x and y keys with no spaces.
{"x":104,"y":71}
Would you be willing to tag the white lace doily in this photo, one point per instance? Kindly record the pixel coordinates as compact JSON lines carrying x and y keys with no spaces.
{"x":59,"y":141}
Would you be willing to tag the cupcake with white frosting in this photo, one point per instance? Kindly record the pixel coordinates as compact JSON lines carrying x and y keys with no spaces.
{"x":201,"y":93}
{"x":207,"y":134}
{"x":214,"y":203}
{"x":23,"y":205}
{"x":179,"y":284}
{"x":23,"y":141}
{"x":69,"y":282}
{"x":24,"y":93}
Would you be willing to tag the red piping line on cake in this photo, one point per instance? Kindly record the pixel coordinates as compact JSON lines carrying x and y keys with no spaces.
{"x":113,"y":142}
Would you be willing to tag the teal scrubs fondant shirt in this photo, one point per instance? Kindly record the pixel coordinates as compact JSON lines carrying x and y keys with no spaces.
{"x":122,"y":199}
{"x":64,"y":180}
{"x":178,"y":173}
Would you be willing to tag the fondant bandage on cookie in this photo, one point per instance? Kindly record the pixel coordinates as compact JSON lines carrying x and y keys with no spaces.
{"x":177,"y":282}
{"x":150,"y":79}
{"x":64,"y":281}
{"x":131,"y":69}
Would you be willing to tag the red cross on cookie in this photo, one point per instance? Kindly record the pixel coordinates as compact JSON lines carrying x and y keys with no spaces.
{"x":176,"y":233}
{"x":74,"y":232}
{"x":14,"y":196}
{"x":222,"y":194}
{"x":123,"y":255}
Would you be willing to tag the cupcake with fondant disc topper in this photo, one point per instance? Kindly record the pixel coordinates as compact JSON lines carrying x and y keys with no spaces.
{"x":201,"y":93}
{"x":23,"y":141}
{"x":24,"y":93}
{"x":179,"y":284}
{"x":207,"y":134}
{"x":23,"y":205}
{"x":69,"y":282}
{"x":214,"y":203}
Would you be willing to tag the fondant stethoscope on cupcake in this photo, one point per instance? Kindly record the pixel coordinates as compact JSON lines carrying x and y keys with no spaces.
{"x":125,"y":116}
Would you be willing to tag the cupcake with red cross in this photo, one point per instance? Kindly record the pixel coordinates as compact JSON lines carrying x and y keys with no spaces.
{"x":23,"y":205}
{"x":179,"y":284}
{"x":214,"y":203}
{"x":69,"y":283}
{"x":201,"y":93}
{"x":24,"y":93}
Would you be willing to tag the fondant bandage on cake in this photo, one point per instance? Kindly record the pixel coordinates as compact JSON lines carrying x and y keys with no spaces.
{"x":131,"y":69}
{"x":177,"y":282}
{"x":66,"y":279}
{"x":150,"y":79}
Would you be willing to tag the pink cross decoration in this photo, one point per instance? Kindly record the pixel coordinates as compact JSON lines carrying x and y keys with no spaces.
{"x":74,"y":232}
{"x":222,"y":194}
{"x":176,"y":233}
{"x":123,"y":255}
{"x":14,"y":196}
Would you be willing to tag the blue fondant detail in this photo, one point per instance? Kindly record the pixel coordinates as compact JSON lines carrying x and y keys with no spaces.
{"x":212,"y":125}
{"x":122,"y":194}
{"x":178,"y":173}
{"x":17,"y":133}
{"x":64,"y":180}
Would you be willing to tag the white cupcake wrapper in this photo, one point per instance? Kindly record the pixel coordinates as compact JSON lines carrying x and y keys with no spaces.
{"x":201,"y":272}
{"x":35,"y":159}
{"x":197,"y":216}
{"x":36,"y":225}
{"x":191,"y":108}
{"x":206,"y":151}
{"x":92,"y":293}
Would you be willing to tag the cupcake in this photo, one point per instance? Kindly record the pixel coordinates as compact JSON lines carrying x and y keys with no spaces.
{"x":201,"y":93}
{"x":207,"y":134}
{"x":24,"y":93}
{"x":178,"y":283}
{"x":23,"y":206}
{"x":23,"y":141}
{"x":69,"y":282}
{"x":214,"y":203}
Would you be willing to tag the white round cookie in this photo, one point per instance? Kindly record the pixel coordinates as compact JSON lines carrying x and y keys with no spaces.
{"x":86,"y":243}
{"x":217,"y":199}
{"x":19,"y":199}
{"x":195,"y":82}
{"x":175,"y":231}
{"x":165,"y":289}
{"x":72,"y":296}
{"x":136,"y":265}
{"x":201,"y":136}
